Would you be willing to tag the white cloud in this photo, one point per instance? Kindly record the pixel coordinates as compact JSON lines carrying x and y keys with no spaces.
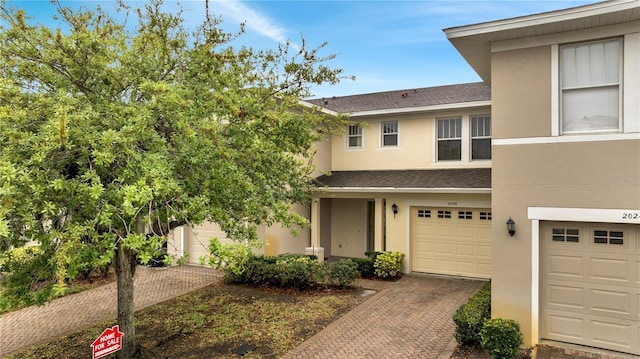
{"x":255,"y":21}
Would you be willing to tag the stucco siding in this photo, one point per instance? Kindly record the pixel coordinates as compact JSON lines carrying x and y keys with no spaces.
{"x":521,"y":81}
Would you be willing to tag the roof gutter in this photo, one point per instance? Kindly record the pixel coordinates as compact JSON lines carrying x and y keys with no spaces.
{"x":401,"y":190}
{"x":421,"y":108}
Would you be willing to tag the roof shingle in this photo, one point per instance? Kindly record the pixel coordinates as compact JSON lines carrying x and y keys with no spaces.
{"x":419,"y":97}
{"x":474,"y":178}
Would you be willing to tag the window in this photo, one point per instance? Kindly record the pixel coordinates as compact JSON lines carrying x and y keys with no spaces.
{"x":390,"y":133}
{"x":424,"y":213}
{"x":608,"y":237}
{"x":465,"y":215}
{"x":450,"y":139}
{"x":481,"y":137}
{"x":354,"y":137}
{"x":565,"y":235}
{"x":590,"y":86}
{"x":444,"y":214}
{"x":485,"y":216}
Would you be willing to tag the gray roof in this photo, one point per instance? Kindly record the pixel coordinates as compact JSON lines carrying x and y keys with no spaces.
{"x":419,"y":97}
{"x":438,"y":178}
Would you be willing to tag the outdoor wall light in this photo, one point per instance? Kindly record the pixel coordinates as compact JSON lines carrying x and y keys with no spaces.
{"x":511,"y":227}
{"x":394,"y":208}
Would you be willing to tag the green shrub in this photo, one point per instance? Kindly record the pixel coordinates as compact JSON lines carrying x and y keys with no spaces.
{"x":29,"y":277}
{"x":470,"y":317}
{"x":388,"y":264}
{"x":343,"y":273}
{"x":365,"y":267}
{"x":286,"y":271}
{"x":300,"y":272}
{"x":501,"y":338}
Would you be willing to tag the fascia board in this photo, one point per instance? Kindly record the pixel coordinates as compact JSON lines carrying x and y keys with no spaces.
{"x":406,"y":110}
{"x":540,"y":19}
{"x":402,"y":190}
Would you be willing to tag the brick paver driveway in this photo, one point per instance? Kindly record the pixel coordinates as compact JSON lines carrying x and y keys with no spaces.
{"x":410,"y":318}
{"x":30,"y":326}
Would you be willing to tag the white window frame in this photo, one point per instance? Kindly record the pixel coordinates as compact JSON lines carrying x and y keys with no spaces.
{"x":396,"y":133}
{"x":458,"y":119}
{"x":563,"y":89}
{"x":484,"y":135}
{"x":349,"y":136}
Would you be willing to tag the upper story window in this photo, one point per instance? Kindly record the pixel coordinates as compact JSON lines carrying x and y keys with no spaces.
{"x":389,"y":133}
{"x":354,"y":136}
{"x":590,"y":86}
{"x":481,"y":137}
{"x":450,"y":139}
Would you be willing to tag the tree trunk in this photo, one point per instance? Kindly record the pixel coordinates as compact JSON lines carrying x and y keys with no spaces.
{"x":125,"y":267}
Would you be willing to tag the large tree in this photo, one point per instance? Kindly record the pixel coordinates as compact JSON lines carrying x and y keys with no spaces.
{"x":113,"y":133}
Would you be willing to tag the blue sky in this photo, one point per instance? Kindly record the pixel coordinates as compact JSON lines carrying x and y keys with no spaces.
{"x":386,"y":45}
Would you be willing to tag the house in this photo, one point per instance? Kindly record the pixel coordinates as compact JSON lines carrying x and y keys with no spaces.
{"x":565,"y":88}
{"x":413,"y":163}
{"x":412,"y":172}
{"x":549,"y":142}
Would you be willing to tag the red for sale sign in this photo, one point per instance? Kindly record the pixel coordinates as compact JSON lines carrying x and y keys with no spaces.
{"x":110,"y":341}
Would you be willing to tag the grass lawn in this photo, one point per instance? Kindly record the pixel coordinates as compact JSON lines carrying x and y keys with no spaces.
{"x":213,"y":321}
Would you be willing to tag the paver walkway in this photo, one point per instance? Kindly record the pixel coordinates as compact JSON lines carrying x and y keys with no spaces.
{"x":30,"y":326}
{"x":410,"y":318}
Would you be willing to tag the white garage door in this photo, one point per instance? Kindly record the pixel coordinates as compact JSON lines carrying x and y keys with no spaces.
{"x":590,"y":284}
{"x":196,"y":240}
{"x":451,"y":241}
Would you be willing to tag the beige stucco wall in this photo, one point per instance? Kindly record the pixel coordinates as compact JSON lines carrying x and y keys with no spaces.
{"x":565,"y":175}
{"x":544,"y":170}
{"x":521,"y":81}
{"x":416,"y":143}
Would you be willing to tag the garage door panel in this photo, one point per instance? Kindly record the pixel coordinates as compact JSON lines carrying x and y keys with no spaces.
{"x":566,"y":296}
{"x":564,"y":266}
{"x":612,"y":335}
{"x":465,"y":250}
{"x":589,"y":292}
{"x":609,"y":269}
{"x":565,"y":327}
{"x":484,"y":251}
{"x":459,"y":244}
{"x":484,"y":270}
{"x":611,"y":302}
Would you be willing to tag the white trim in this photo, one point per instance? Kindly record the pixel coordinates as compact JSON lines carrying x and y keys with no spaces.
{"x":565,"y":37}
{"x":631,"y":83}
{"x":537,"y":214}
{"x":447,"y":203}
{"x":318,"y":108}
{"x":541,"y":19}
{"x":535,"y":282}
{"x":566,"y":139}
{"x":555,"y":88}
{"x":407,"y":207}
{"x":600,"y":215}
{"x":450,"y":106}
{"x":348,"y":137}
{"x":382,"y":134}
{"x":402,"y":190}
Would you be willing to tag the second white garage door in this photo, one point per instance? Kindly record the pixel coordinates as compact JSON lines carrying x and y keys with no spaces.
{"x":451,"y":241}
{"x":590,"y":284}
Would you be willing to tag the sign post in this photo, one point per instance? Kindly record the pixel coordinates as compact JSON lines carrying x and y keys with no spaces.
{"x":110,"y":341}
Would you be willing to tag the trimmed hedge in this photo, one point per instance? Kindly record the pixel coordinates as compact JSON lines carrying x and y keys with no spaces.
{"x":470,"y":317}
{"x":343,"y":273}
{"x":285,"y":271}
{"x":501,"y":338}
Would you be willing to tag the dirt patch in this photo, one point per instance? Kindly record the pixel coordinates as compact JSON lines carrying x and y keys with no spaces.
{"x":478,"y":353}
{"x":215,"y":320}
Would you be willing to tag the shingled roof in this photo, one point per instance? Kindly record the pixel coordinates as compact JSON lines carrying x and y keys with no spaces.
{"x":419,"y":97}
{"x":462,"y":178}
